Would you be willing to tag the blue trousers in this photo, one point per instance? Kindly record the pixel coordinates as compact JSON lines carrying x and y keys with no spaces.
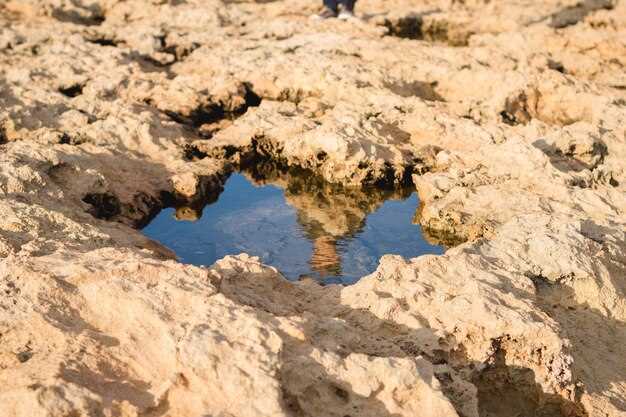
{"x":334,"y":4}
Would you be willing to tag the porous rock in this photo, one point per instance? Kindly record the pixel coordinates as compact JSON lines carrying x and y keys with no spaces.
{"x":508,"y":117}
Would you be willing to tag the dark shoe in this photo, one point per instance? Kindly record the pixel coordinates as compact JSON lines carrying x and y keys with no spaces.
{"x":326,"y":13}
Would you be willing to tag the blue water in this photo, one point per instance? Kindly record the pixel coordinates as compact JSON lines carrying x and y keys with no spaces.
{"x":332,"y":237}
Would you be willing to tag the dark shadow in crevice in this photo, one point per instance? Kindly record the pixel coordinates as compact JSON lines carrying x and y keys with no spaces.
{"x":569,"y":160}
{"x":104,"y":205}
{"x":94,"y":18}
{"x":517,"y":110}
{"x":3,"y":135}
{"x":206,"y":120}
{"x":424,"y":90}
{"x":192,"y":153}
{"x":413,"y":26}
{"x":104,"y":41}
{"x":147,"y":63}
{"x":167,"y":54}
{"x":556,"y":66}
{"x":137,"y":213}
{"x":409,"y":26}
{"x":126,"y":199}
{"x":574,"y":14}
{"x":179,"y":52}
{"x":72,"y":91}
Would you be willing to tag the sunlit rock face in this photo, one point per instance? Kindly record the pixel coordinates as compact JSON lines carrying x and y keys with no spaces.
{"x":508,"y":118}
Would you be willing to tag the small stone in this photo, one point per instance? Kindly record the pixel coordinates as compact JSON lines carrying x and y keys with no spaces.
{"x":186,"y":184}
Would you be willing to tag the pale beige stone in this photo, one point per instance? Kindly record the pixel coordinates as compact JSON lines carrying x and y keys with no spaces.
{"x":508,"y":117}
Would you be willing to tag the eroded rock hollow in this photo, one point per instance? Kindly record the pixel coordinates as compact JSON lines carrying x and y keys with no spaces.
{"x":509,"y":118}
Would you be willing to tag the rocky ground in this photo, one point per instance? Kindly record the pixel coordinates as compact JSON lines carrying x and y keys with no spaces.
{"x":509,"y":117}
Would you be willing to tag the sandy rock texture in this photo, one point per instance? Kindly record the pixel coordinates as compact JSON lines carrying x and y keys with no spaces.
{"x":508,"y":117}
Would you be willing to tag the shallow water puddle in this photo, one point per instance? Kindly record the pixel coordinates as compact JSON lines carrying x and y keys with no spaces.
{"x":299,"y":224}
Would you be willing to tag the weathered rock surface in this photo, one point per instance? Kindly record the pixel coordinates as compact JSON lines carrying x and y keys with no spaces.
{"x":508,"y":117}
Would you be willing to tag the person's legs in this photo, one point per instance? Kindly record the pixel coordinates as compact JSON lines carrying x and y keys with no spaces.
{"x":331,"y":4}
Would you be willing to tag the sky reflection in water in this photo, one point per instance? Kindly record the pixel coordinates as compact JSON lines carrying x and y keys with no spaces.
{"x":302,"y":226}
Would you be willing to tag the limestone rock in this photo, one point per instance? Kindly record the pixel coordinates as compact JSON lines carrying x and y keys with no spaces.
{"x":509,"y":118}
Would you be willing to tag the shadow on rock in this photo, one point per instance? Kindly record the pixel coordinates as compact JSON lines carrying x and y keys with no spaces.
{"x":571,"y":15}
{"x":114,"y":386}
{"x":311,"y":364}
{"x":334,"y":329}
{"x":573,"y":160}
{"x":595,"y":338}
{"x":505,"y":390}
